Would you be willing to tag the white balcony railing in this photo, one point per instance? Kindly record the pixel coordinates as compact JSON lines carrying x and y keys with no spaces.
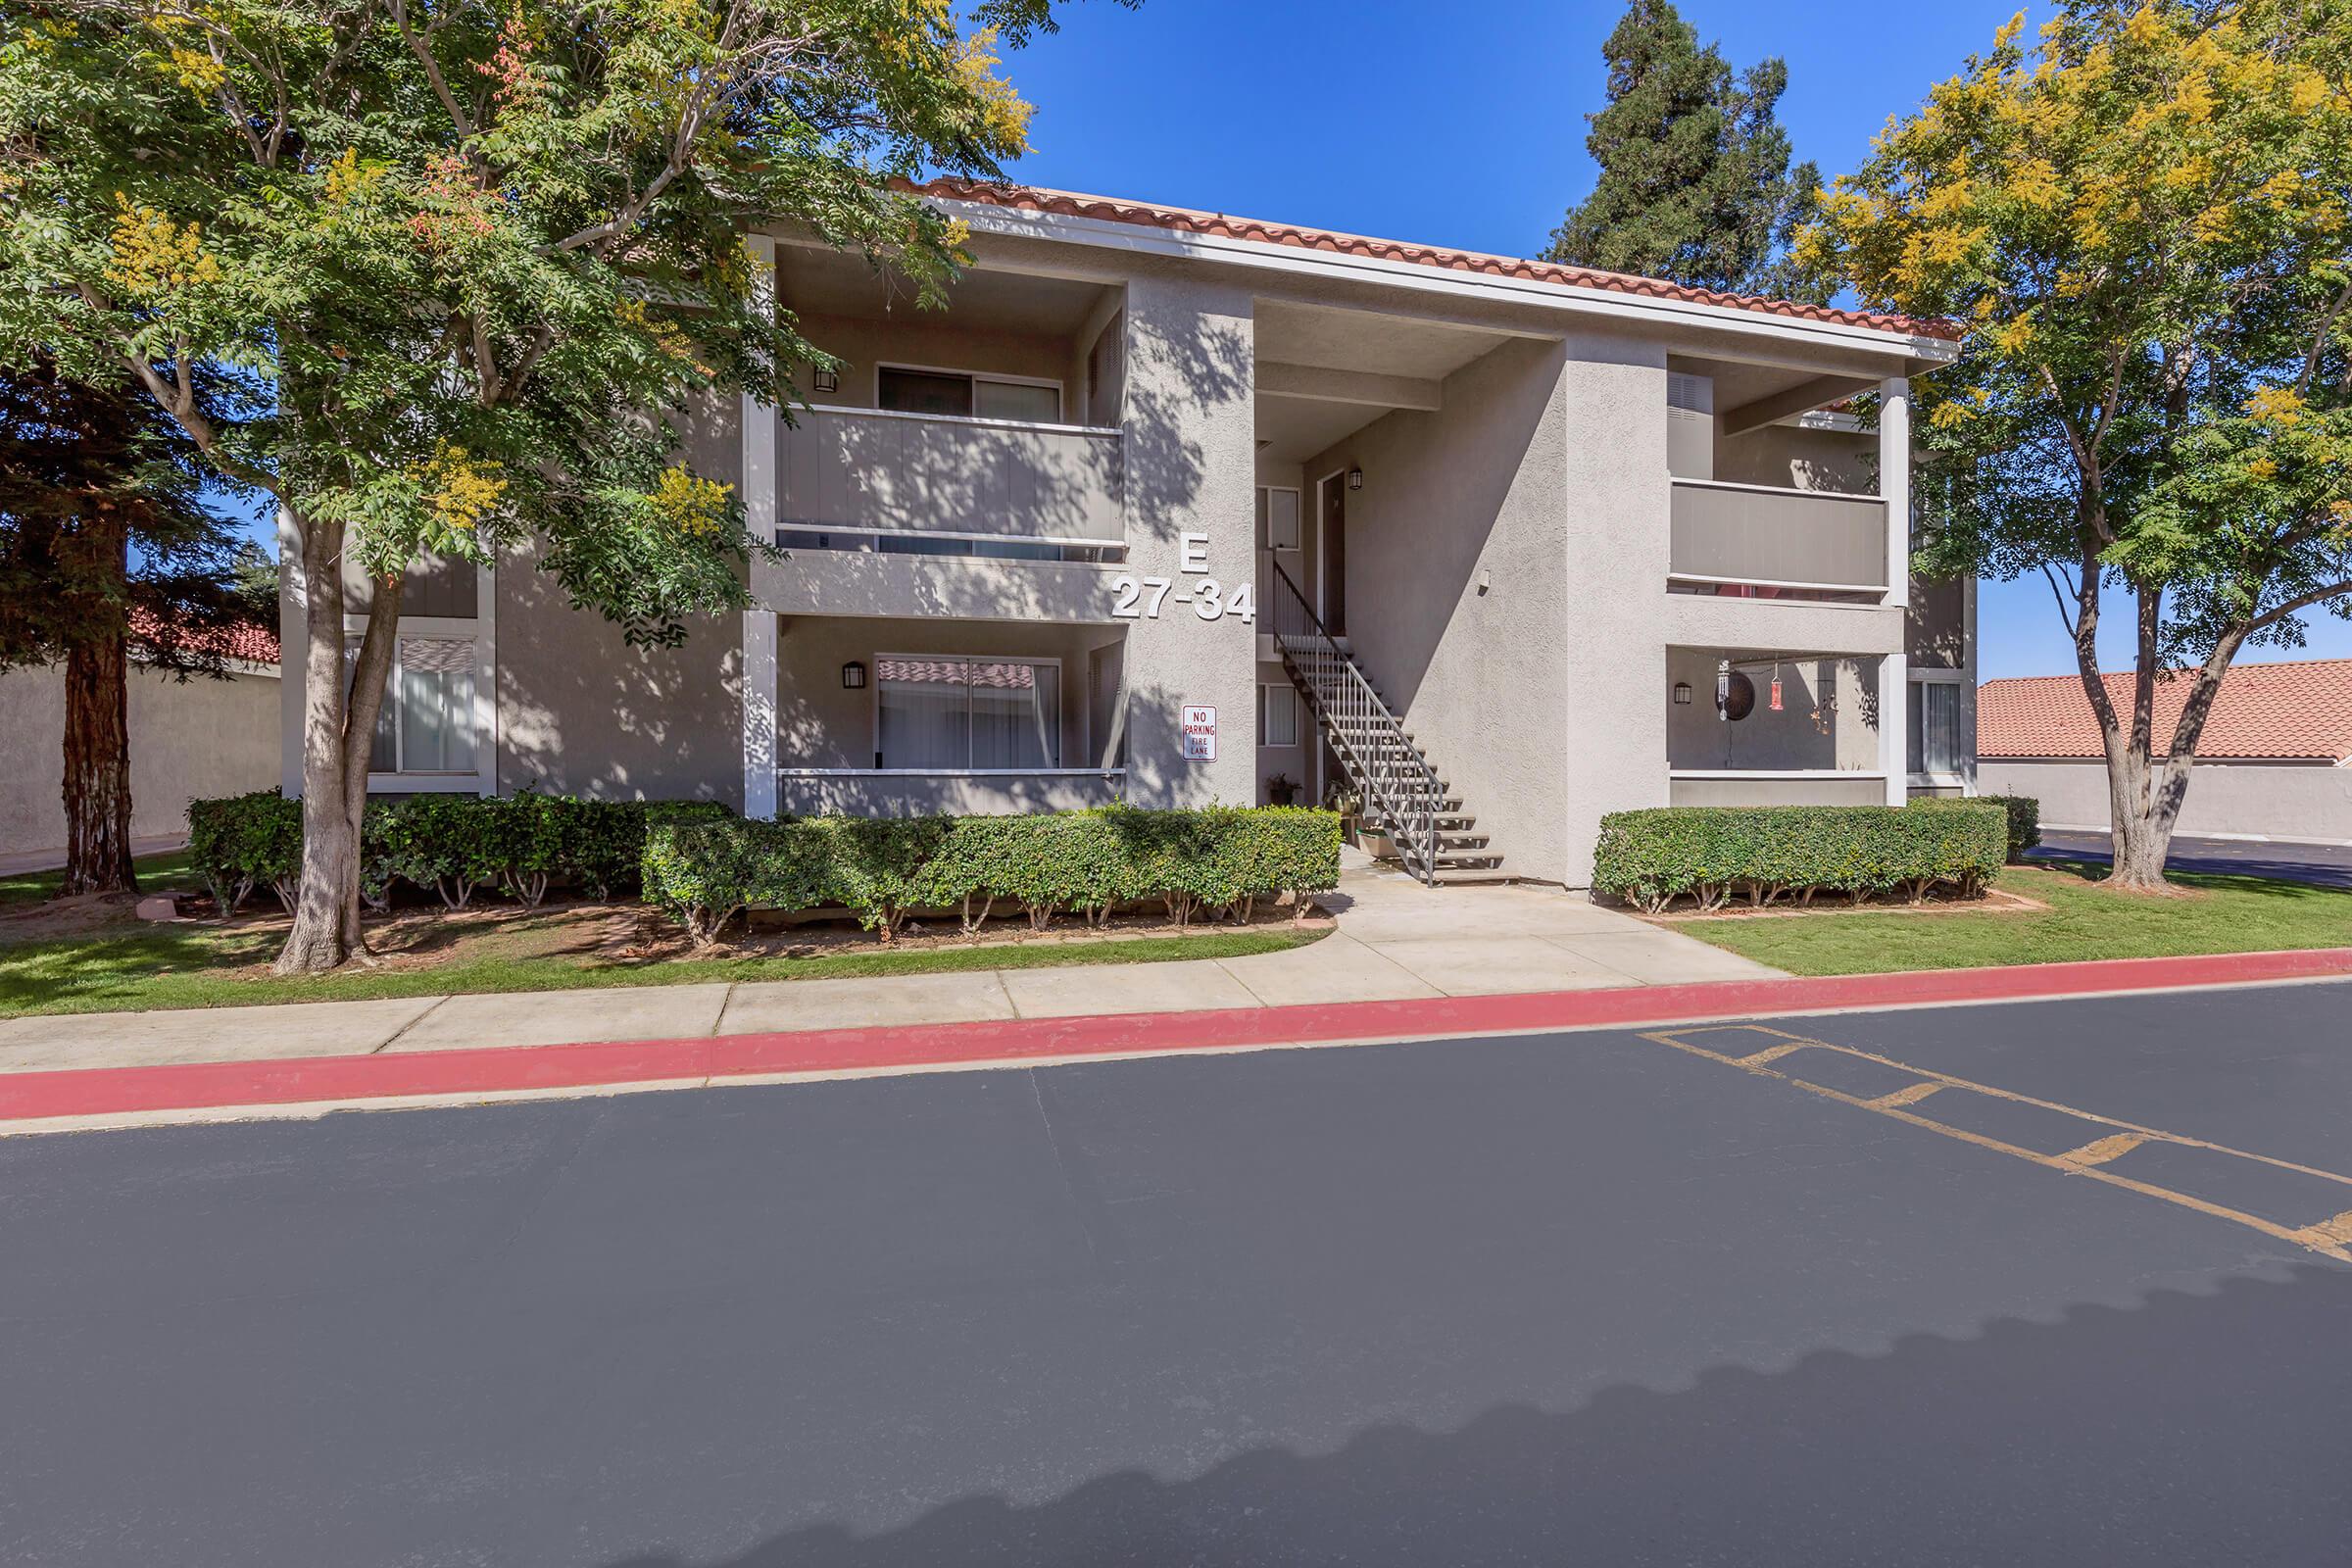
{"x":874,"y":479}
{"x":1764,"y":537}
{"x":923,"y":790}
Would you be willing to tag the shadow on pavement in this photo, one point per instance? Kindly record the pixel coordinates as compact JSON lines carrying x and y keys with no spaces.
{"x":2194,"y":1427}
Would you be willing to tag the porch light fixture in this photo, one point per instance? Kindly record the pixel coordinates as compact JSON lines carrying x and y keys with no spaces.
{"x":853,"y":676}
{"x":829,"y":381}
{"x":1355,"y":478}
{"x":1682,"y":692}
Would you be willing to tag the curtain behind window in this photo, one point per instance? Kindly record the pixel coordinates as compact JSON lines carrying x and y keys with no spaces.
{"x":957,"y":714}
{"x":1934,"y":727}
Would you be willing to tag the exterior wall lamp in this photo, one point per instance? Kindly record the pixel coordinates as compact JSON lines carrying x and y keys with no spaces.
{"x":1355,"y":478}
{"x":853,"y":676}
{"x":828,"y":381}
{"x":1682,"y":692}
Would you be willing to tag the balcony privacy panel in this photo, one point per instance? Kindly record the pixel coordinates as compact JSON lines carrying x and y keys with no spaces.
{"x":895,"y":474}
{"x":1730,"y":533}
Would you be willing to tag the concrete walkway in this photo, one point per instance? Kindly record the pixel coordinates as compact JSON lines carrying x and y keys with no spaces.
{"x":1397,"y":941}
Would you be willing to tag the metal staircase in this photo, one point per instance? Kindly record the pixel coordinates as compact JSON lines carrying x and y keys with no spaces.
{"x":1436,"y":838}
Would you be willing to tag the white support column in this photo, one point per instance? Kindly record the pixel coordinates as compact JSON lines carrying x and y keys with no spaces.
{"x":1894,"y":483}
{"x":759,"y":500}
{"x":1894,"y":726}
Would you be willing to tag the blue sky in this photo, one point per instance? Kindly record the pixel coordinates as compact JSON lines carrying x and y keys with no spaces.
{"x":1465,"y":126}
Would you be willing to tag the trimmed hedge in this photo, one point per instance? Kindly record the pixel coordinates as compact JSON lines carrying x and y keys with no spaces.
{"x":1766,"y":852}
{"x":449,"y":844}
{"x":1090,"y":863}
{"x":2024,"y":821}
{"x":240,"y":841}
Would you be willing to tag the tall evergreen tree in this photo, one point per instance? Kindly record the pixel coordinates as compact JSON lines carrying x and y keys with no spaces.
{"x":103,"y":547}
{"x":1696,"y":183}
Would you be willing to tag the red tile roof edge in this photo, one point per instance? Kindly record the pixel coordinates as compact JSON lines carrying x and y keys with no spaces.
{"x":248,"y":641}
{"x":1072,"y":203}
{"x":2288,"y":709}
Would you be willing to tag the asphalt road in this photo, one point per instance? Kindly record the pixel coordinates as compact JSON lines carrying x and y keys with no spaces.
{"x":1589,"y":1297}
{"x":2326,"y":864}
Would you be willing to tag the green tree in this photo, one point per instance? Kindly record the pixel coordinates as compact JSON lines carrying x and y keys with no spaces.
{"x":2143,"y":219}
{"x":1694,"y":180}
{"x":104,"y":546}
{"x":458,"y":259}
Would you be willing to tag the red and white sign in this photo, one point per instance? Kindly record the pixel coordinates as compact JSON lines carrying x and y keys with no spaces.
{"x":1199,"y":728}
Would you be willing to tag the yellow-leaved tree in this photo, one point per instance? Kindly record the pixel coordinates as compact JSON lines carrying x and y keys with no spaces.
{"x":2145,"y":218}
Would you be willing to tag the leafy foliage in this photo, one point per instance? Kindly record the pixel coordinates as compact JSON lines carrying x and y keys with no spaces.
{"x":2024,"y":821}
{"x":453,"y":266}
{"x":1089,"y":861}
{"x":450,"y":845}
{"x":1652,"y":857}
{"x":2145,"y":218}
{"x":1695,"y":179}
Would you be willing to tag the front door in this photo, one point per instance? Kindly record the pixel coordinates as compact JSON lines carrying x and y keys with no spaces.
{"x":1334,"y":574}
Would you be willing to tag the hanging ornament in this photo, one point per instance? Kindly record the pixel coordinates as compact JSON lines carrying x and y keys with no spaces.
{"x":1775,"y":685}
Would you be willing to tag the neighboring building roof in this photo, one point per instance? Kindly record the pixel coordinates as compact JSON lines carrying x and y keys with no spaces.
{"x":246,"y":641}
{"x":1182,"y":220}
{"x":2299,"y":710}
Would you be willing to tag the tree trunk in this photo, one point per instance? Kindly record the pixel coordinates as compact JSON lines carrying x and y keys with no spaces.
{"x":339,"y":724}
{"x":97,"y":768}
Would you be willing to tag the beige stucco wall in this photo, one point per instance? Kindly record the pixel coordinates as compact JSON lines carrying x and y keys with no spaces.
{"x":1458,"y":583}
{"x":1189,"y":458}
{"x":935,"y":341}
{"x":189,"y":740}
{"x":1790,"y":739}
{"x":582,"y":713}
{"x":2309,"y":802}
{"x":1798,"y":459}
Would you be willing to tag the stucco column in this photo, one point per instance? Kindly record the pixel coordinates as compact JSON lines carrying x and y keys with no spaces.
{"x":1188,"y":458}
{"x":1894,"y":726}
{"x":1894,"y":482}
{"x":759,"y":507}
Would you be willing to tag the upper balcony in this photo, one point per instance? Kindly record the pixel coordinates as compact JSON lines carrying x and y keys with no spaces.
{"x":894,"y":480}
{"x":1776,"y":491}
{"x":947,"y":442}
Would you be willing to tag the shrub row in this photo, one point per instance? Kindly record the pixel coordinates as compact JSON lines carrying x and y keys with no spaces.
{"x":1765,"y":853}
{"x":451,"y":844}
{"x":1221,"y":859}
{"x":2024,"y":821}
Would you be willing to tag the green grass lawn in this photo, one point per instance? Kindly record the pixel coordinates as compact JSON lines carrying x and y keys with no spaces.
{"x":2084,"y":920}
{"x":170,"y":869}
{"x":133,"y":968}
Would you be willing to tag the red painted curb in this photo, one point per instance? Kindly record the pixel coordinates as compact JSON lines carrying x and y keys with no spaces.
{"x":212,"y":1085}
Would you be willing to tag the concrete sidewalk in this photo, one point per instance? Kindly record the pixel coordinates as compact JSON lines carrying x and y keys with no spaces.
{"x":1395,"y":941}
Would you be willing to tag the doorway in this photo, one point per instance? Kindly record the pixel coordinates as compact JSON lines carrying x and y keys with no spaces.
{"x":1331,"y":554}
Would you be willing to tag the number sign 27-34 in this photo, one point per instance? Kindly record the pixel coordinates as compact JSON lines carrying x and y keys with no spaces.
{"x":1141,"y":598}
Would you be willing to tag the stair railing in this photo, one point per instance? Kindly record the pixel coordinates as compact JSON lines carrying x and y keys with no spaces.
{"x":1400,"y":788}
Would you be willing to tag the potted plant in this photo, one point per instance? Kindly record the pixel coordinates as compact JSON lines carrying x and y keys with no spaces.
{"x":1339,"y":796}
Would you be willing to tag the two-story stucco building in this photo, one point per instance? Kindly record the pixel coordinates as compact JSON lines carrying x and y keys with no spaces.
{"x":1176,"y":508}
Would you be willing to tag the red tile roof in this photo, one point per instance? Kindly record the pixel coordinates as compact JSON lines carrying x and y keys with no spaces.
{"x":1070,"y":204}
{"x":247,"y":640}
{"x":2302,"y":709}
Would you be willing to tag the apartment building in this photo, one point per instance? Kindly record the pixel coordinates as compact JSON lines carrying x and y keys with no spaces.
{"x":1173,"y":507}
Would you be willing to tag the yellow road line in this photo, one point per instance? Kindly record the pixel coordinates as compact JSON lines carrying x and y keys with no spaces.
{"x":2325,"y":1239}
{"x":2100,"y":1150}
{"x":1911,"y":1096}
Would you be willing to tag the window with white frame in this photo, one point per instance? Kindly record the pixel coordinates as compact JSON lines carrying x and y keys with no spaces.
{"x":1277,"y":518}
{"x":426,"y":724}
{"x":941,"y":714}
{"x":1276,"y":716}
{"x":1936,"y":728}
{"x":905,"y":389}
